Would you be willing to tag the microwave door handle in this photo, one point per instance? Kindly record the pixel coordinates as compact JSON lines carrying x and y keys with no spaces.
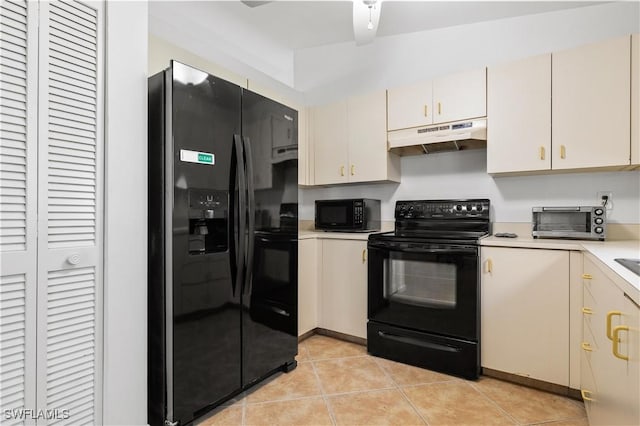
{"x":251,"y":211}
{"x":561,"y":209}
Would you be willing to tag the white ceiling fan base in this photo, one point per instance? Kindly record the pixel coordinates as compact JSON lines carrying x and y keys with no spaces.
{"x":361,"y":33}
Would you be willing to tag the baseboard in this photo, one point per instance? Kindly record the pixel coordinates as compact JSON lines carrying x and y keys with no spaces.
{"x":533,"y":383}
{"x":306,"y":335}
{"x":334,"y":334}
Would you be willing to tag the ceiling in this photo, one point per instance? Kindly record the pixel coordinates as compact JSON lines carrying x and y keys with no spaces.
{"x":298,"y":25}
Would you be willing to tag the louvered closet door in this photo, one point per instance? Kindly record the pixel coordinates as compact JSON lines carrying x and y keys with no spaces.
{"x":70,"y":211}
{"x":18,"y":206}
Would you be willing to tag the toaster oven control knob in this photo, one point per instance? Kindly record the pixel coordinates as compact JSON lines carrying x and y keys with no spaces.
{"x":598,"y":221}
{"x":598,"y":229}
{"x":598,"y":212}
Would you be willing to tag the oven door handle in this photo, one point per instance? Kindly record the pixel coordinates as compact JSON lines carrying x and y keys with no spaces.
{"x":425,"y":250}
{"x":418,"y":342}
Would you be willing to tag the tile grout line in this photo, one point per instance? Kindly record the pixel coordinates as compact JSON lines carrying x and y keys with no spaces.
{"x":324,"y":396}
{"x":488,"y":398}
{"x":406,"y":398}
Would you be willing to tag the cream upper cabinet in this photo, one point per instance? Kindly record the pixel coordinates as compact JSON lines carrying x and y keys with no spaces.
{"x":635,"y":99}
{"x":519,"y":115}
{"x":524,"y":312}
{"x":329,"y":139}
{"x":349,"y":141}
{"x":410,"y":106}
{"x":460,"y":96}
{"x":610,"y":350}
{"x":367,"y":136}
{"x":591,"y":105}
{"x":343,"y":287}
{"x":451,"y":98}
{"x":307,"y":285}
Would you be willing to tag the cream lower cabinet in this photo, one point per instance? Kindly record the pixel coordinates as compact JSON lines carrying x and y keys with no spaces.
{"x":343,"y":287}
{"x":308,"y":256}
{"x":610,"y":360}
{"x":525,"y":312}
{"x":591,"y":105}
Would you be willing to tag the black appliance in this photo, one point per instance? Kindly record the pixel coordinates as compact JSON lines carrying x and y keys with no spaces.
{"x":349,"y":215}
{"x":222,"y":270}
{"x":423,"y":286}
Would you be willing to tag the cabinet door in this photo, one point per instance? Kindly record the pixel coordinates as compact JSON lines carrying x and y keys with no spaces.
{"x":329,"y":132}
{"x":410,"y":106}
{"x":591,"y":105}
{"x":307,"y":285}
{"x":368,"y":153}
{"x":519,"y":115}
{"x":614,"y":389}
{"x":635,"y":99}
{"x":343,"y":291}
{"x":70,"y":199}
{"x":18,"y":205}
{"x":525,"y":324}
{"x":460,"y":96}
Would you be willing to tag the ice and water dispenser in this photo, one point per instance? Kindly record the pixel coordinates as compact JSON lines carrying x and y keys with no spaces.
{"x":208,"y":216}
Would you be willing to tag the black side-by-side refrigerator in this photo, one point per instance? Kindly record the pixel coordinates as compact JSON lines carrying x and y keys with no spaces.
{"x":223,"y":209}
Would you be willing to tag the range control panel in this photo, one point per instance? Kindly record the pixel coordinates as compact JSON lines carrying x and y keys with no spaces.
{"x":435,"y":209}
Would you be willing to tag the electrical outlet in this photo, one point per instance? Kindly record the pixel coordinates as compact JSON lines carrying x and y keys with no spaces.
{"x":606,"y":199}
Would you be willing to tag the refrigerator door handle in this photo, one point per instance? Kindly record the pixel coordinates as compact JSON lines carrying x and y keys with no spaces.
{"x":239,"y":234}
{"x":251,"y":212}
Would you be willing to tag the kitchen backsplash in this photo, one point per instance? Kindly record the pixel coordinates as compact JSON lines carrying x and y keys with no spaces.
{"x":463,"y":175}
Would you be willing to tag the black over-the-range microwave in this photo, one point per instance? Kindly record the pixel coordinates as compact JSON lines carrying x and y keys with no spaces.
{"x":348,"y":215}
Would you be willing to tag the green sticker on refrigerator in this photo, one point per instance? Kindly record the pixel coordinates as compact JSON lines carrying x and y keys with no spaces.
{"x":197,"y":157}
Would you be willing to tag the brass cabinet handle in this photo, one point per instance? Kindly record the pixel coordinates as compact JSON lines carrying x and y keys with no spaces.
{"x":542,"y":152}
{"x":426,"y":111}
{"x":439,"y":108}
{"x":489,"y":266}
{"x":563,"y":152}
{"x":586,"y":395}
{"x":616,"y":341}
{"x":353,"y":170}
{"x":364,"y":255}
{"x":587,"y":311}
{"x":587,"y":277}
{"x":610,"y":316}
{"x":586,"y":346}
{"x":341,"y":170}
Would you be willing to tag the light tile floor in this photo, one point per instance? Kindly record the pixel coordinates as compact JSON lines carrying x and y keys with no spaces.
{"x":338,"y":383}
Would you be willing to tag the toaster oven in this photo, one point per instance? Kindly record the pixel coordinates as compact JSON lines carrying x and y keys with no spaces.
{"x":581,"y":223}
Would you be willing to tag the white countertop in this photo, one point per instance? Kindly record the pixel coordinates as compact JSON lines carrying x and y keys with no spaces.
{"x":303,"y":235}
{"x":608,"y":251}
{"x":604,"y":251}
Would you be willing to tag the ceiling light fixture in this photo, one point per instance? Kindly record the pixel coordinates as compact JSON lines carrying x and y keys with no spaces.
{"x":366,"y":15}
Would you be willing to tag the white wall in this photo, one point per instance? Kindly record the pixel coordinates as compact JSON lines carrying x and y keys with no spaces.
{"x":463,"y":175}
{"x":329,"y":72}
{"x":125,"y":280}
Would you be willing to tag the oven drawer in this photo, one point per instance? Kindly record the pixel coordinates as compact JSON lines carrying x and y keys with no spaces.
{"x":447,"y":355}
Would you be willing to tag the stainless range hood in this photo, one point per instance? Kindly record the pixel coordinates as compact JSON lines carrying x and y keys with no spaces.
{"x":461,"y":135}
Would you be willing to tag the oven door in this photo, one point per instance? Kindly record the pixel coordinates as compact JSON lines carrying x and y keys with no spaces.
{"x":429,"y":287}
